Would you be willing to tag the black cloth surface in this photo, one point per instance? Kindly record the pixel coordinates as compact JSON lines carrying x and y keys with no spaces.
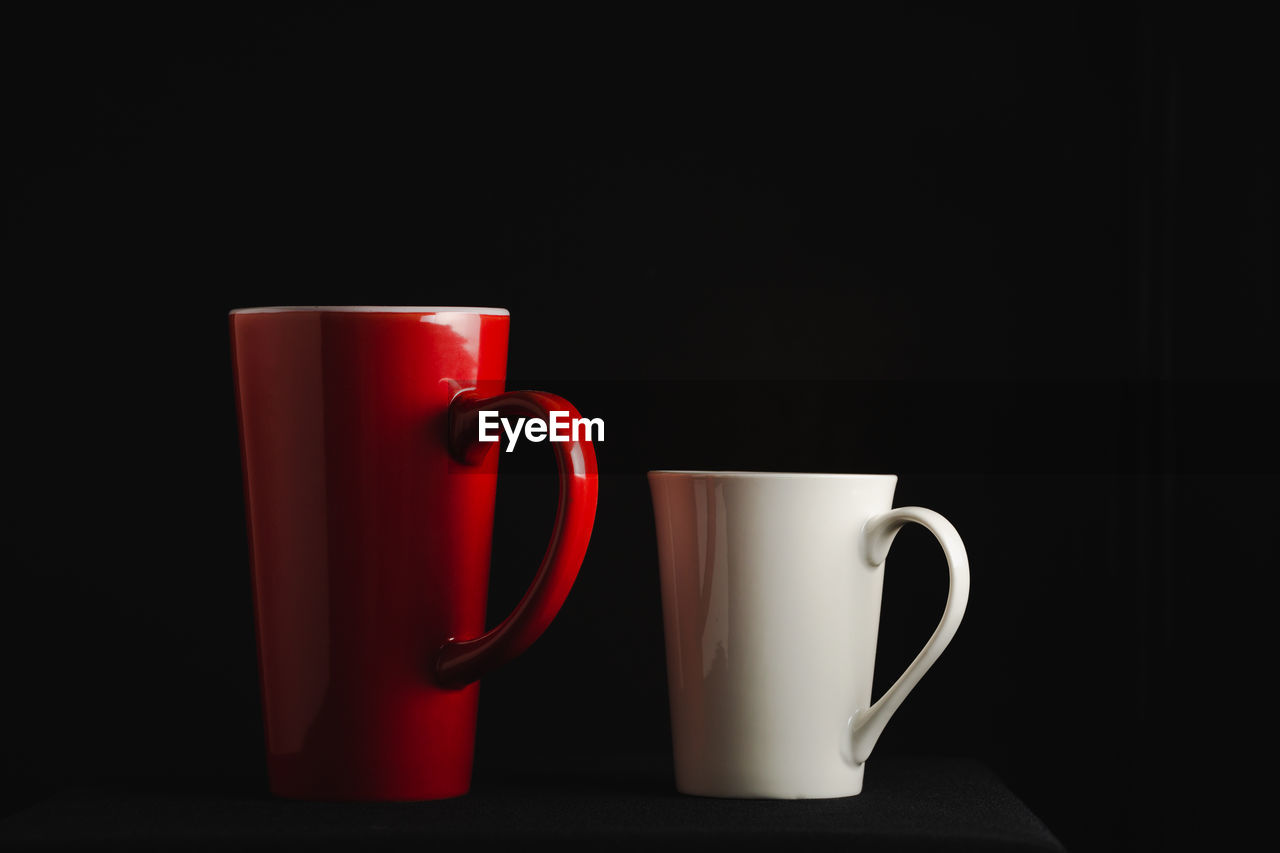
{"x":906,"y":804}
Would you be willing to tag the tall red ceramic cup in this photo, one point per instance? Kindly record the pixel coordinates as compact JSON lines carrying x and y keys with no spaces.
{"x":370,"y":512}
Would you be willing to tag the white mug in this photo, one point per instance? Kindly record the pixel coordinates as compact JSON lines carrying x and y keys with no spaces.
{"x":771,"y":589}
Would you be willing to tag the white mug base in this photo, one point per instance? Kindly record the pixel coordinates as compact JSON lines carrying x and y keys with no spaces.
{"x":765,"y":783}
{"x":747,"y":792}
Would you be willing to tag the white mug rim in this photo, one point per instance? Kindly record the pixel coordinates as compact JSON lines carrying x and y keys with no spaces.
{"x":765,"y":475}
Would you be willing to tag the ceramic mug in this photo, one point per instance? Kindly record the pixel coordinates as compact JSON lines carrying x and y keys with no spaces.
{"x":771,"y":588}
{"x":370,"y":504}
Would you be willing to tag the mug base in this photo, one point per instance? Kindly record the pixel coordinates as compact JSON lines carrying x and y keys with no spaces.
{"x":772,"y":795}
{"x":298,"y":779}
{"x":348,"y":796}
{"x":763,"y":789}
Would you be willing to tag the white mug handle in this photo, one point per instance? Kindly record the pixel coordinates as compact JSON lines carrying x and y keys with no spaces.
{"x":866,"y":725}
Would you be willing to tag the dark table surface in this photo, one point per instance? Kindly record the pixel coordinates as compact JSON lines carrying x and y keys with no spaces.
{"x":906,"y":804}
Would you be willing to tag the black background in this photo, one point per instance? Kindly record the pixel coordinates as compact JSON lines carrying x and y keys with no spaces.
{"x":1022,"y":256}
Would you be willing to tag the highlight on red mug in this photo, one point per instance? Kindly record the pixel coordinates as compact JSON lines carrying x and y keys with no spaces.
{"x":369,"y":503}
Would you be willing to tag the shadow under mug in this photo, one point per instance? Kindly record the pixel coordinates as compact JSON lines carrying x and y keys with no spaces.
{"x":771,"y":587}
{"x":369,"y":503}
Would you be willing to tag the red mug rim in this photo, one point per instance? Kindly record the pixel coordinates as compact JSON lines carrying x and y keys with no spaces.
{"x":373,"y":309}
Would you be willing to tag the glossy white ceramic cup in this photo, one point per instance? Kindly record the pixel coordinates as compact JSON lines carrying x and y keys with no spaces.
{"x":771,"y":589}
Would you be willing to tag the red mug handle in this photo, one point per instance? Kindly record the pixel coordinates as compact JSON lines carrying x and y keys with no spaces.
{"x":462,"y":661}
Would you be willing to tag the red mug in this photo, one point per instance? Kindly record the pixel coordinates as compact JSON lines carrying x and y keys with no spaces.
{"x":369,"y":503}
